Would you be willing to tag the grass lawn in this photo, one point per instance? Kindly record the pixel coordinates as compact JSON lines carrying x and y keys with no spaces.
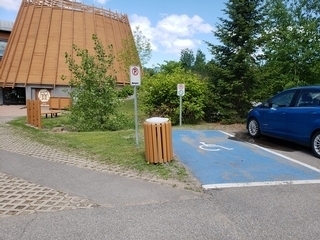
{"x":115,"y":148}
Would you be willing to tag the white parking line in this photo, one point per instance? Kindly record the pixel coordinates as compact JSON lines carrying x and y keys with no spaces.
{"x":266,"y":183}
{"x":288,"y":158}
{"x":256,"y":184}
{"x":280,"y":155}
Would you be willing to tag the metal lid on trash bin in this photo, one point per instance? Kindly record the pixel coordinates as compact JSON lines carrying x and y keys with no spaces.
{"x":157,"y":120}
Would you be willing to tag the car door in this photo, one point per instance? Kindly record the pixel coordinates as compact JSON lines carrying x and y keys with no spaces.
{"x":274,"y":118}
{"x":304,"y":117}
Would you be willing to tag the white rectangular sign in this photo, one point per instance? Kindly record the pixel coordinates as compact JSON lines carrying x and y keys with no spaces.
{"x":135,"y":76}
{"x":180,"y":90}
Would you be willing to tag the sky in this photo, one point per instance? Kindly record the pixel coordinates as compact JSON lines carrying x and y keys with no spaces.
{"x":170,"y":25}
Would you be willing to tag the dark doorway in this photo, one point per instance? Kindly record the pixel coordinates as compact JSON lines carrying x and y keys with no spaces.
{"x":14,"y":96}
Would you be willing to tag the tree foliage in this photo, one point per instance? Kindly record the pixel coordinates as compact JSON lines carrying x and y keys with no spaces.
{"x":187,"y":58}
{"x":159,"y":98}
{"x":128,"y":55}
{"x":200,"y":64}
{"x":195,"y":63}
{"x":291,"y":50}
{"x":135,"y":51}
{"x":143,"y":46}
{"x":93,"y":93}
{"x":234,"y":65}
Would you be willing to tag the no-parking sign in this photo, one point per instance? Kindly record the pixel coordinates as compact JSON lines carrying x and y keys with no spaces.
{"x":135,"y":76}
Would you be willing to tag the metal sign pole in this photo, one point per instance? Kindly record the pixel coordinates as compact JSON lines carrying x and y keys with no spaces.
{"x":135,"y":80}
{"x":136,"y":114}
{"x":180,"y":93}
{"x":180,"y":110}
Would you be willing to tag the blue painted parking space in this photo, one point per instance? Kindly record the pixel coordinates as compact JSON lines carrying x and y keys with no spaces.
{"x":215,"y":159}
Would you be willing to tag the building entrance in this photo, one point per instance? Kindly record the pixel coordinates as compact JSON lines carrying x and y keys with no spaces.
{"x":14,"y":96}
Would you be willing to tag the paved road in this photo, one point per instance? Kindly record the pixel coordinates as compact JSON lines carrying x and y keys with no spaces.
{"x":48,"y":194}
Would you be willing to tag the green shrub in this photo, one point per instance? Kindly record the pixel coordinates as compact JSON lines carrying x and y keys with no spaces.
{"x":119,"y":121}
{"x":125,"y":91}
{"x":93,"y":91}
{"x":158,"y":95}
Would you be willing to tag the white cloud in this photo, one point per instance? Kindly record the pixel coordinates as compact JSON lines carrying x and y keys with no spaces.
{"x":11,"y":5}
{"x":173,"y":32}
{"x":101,"y":1}
{"x":182,"y":25}
{"x":144,"y":25}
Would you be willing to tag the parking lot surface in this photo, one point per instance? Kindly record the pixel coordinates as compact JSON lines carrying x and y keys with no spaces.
{"x":51,"y":194}
{"x":220,"y":161}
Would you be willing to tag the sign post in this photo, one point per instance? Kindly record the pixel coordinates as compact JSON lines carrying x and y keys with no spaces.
{"x":180,"y":93}
{"x":135,"y":80}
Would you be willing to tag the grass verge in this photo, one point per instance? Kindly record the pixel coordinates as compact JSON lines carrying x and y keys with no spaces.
{"x":116,"y":148}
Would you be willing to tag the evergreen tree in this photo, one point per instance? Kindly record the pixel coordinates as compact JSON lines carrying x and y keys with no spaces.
{"x":187,"y":59}
{"x":235,"y":59}
{"x":199,"y":66}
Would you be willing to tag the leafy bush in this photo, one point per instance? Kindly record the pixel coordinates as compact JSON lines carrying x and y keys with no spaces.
{"x":125,"y":91}
{"x":93,"y":91}
{"x":158,"y":95}
{"x":119,"y":121}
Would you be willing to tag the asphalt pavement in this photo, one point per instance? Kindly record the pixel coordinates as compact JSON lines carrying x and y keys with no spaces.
{"x":49,"y":194}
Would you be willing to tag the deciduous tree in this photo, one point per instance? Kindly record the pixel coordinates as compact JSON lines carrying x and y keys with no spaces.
{"x":93,"y":93}
{"x":292,"y":49}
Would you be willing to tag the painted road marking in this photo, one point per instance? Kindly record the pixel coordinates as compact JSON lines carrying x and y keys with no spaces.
{"x":245,"y":165}
{"x":257,"y":184}
{"x":212,"y":147}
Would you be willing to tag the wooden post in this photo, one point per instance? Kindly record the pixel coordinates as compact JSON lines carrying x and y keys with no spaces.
{"x":34,"y":113}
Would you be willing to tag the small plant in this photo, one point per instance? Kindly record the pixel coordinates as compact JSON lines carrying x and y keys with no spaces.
{"x":125,"y":91}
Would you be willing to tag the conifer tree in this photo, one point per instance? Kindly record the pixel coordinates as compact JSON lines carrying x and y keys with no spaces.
{"x":235,"y":59}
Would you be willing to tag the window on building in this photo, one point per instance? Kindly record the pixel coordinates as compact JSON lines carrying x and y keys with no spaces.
{"x":3,"y":44}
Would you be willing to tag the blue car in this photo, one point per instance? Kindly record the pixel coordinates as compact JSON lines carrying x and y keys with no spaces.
{"x":292,"y":115}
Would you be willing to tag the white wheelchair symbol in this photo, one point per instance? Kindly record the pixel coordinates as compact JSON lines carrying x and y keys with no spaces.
{"x":212,"y":147}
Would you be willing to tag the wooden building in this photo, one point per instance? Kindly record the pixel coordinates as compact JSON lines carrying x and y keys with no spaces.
{"x":34,"y":57}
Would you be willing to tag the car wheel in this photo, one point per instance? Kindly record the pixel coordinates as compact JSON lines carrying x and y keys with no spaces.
{"x":253,"y":128}
{"x":315,"y":144}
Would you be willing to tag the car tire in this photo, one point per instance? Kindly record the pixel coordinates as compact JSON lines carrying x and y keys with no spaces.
{"x":253,"y":128}
{"x":315,"y":144}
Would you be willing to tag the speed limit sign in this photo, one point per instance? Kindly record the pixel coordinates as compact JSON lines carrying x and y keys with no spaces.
{"x":180,"y":90}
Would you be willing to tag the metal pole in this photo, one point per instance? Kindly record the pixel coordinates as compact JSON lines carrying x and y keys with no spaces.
{"x":136,"y":114}
{"x":180,"y":118}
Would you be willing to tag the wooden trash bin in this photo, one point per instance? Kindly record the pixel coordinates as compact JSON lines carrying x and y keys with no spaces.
{"x":158,"y":140}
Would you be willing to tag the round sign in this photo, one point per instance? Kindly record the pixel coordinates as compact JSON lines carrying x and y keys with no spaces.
{"x":135,"y":71}
{"x":44,"y":95}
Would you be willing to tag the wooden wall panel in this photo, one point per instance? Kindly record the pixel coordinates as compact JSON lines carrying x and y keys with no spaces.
{"x":65,"y":45}
{"x":20,"y":64}
{"x":89,"y":28}
{"x":28,"y":51}
{"x":79,"y":32}
{"x":36,"y":66}
{"x":51,"y":61}
{"x":45,"y":30}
